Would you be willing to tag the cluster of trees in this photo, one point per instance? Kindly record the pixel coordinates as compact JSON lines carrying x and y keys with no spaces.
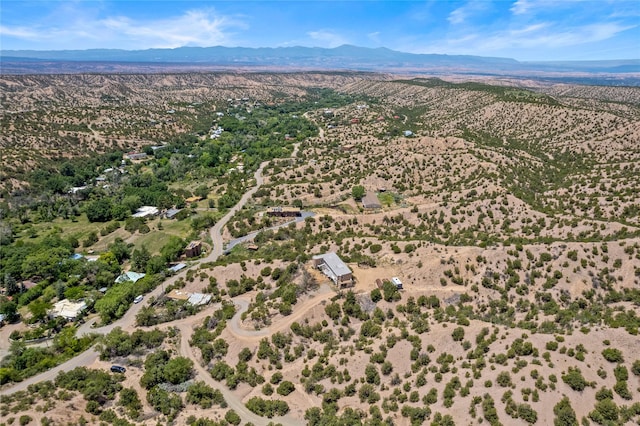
{"x":161,"y":368}
{"x":96,"y":386}
{"x":25,"y":361}
{"x":267,"y":408}
{"x":119,"y":343}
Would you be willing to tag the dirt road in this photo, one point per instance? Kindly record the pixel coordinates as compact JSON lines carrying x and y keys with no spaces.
{"x":186,"y":326}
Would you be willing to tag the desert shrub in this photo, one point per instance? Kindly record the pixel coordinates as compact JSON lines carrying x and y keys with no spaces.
{"x":621,"y":373}
{"x":285,"y":388}
{"x":204,"y":395}
{"x":267,"y":408}
{"x":375,"y":248}
{"x":606,"y":412}
{"x":504,"y":379}
{"x":131,"y":401}
{"x":612,"y":355}
{"x":574,"y":379}
{"x":458,"y":334}
{"x":565,"y":415}
{"x":165,"y":402}
{"x":232,"y":417}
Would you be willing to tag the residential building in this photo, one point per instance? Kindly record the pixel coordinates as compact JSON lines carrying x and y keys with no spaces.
{"x":370,"y":201}
{"x":284,"y":211}
{"x":135,"y":156}
{"x":171,"y":213}
{"x":67,"y":309}
{"x":178,"y":267}
{"x":333,"y":267}
{"x":146,"y":211}
{"x":129,"y":276}
{"x":193,"y":249}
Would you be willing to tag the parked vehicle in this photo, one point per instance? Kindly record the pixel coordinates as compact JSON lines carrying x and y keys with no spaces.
{"x":118,"y":369}
{"x":138,"y":299}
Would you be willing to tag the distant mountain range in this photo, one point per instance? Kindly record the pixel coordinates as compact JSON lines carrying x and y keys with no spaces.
{"x":345,"y":57}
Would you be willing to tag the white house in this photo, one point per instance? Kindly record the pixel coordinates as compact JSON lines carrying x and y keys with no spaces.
{"x":146,"y":211}
{"x":67,"y":309}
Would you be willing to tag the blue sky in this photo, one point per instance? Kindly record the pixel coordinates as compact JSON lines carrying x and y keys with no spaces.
{"x":520,"y":29}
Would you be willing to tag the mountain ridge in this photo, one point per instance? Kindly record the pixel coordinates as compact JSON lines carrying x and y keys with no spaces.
{"x":341,"y":57}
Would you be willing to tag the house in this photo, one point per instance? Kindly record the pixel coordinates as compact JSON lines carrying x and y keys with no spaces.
{"x":396,"y":281}
{"x":194,"y":299}
{"x":284,"y":212}
{"x":333,"y":267}
{"x":171,"y":213}
{"x":178,"y":267}
{"x":197,"y":299}
{"x":28,"y":285}
{"x":370,"y":201}
{"x":193,"y":199}
{"x":129,"y":276}
{"x":176,"y":294}
{"x":193,"y":249}
{"x":67,"y":309}
{"x":146,"y":211}
{"x":75,"y":189}
{"x":135,"y":156}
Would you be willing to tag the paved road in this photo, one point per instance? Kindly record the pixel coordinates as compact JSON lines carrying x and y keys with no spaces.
{"x":186,"y":326}
{"x":250,"y":236}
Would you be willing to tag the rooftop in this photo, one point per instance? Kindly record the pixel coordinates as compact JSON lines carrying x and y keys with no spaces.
{"x":67,"y":309}
{"x":334,"y":263}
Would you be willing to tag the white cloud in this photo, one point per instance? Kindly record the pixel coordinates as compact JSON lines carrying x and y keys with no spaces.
{"x":463,"y":13}
{"x":19,"y":32}
{"x":521,"y":7}
{"x":327,"y":38}
{"x":193,"y":28}
{"x":545,"y":36}
{"x":543,"y":39}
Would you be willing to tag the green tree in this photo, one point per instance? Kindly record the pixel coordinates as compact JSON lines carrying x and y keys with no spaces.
{"x":9,"y":309}
{"x":357,"y":192}
{"x":38,"y":309}
{"x":565,"y":415}
{"x":285,"y":388}
{"x":99,"y":210}
{"x":120,"y":250}
{"x":178,"y":370}
{"x":140,"y":258}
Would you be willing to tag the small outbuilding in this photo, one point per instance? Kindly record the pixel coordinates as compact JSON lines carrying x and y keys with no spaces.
{"x":396,"y":281}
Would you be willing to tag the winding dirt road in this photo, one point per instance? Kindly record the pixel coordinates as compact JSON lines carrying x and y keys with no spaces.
{"x":186,"y":326}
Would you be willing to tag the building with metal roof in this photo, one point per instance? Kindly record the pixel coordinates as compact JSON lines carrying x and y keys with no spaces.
{"x":333,"y":267}
{"x":370,"y":201}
